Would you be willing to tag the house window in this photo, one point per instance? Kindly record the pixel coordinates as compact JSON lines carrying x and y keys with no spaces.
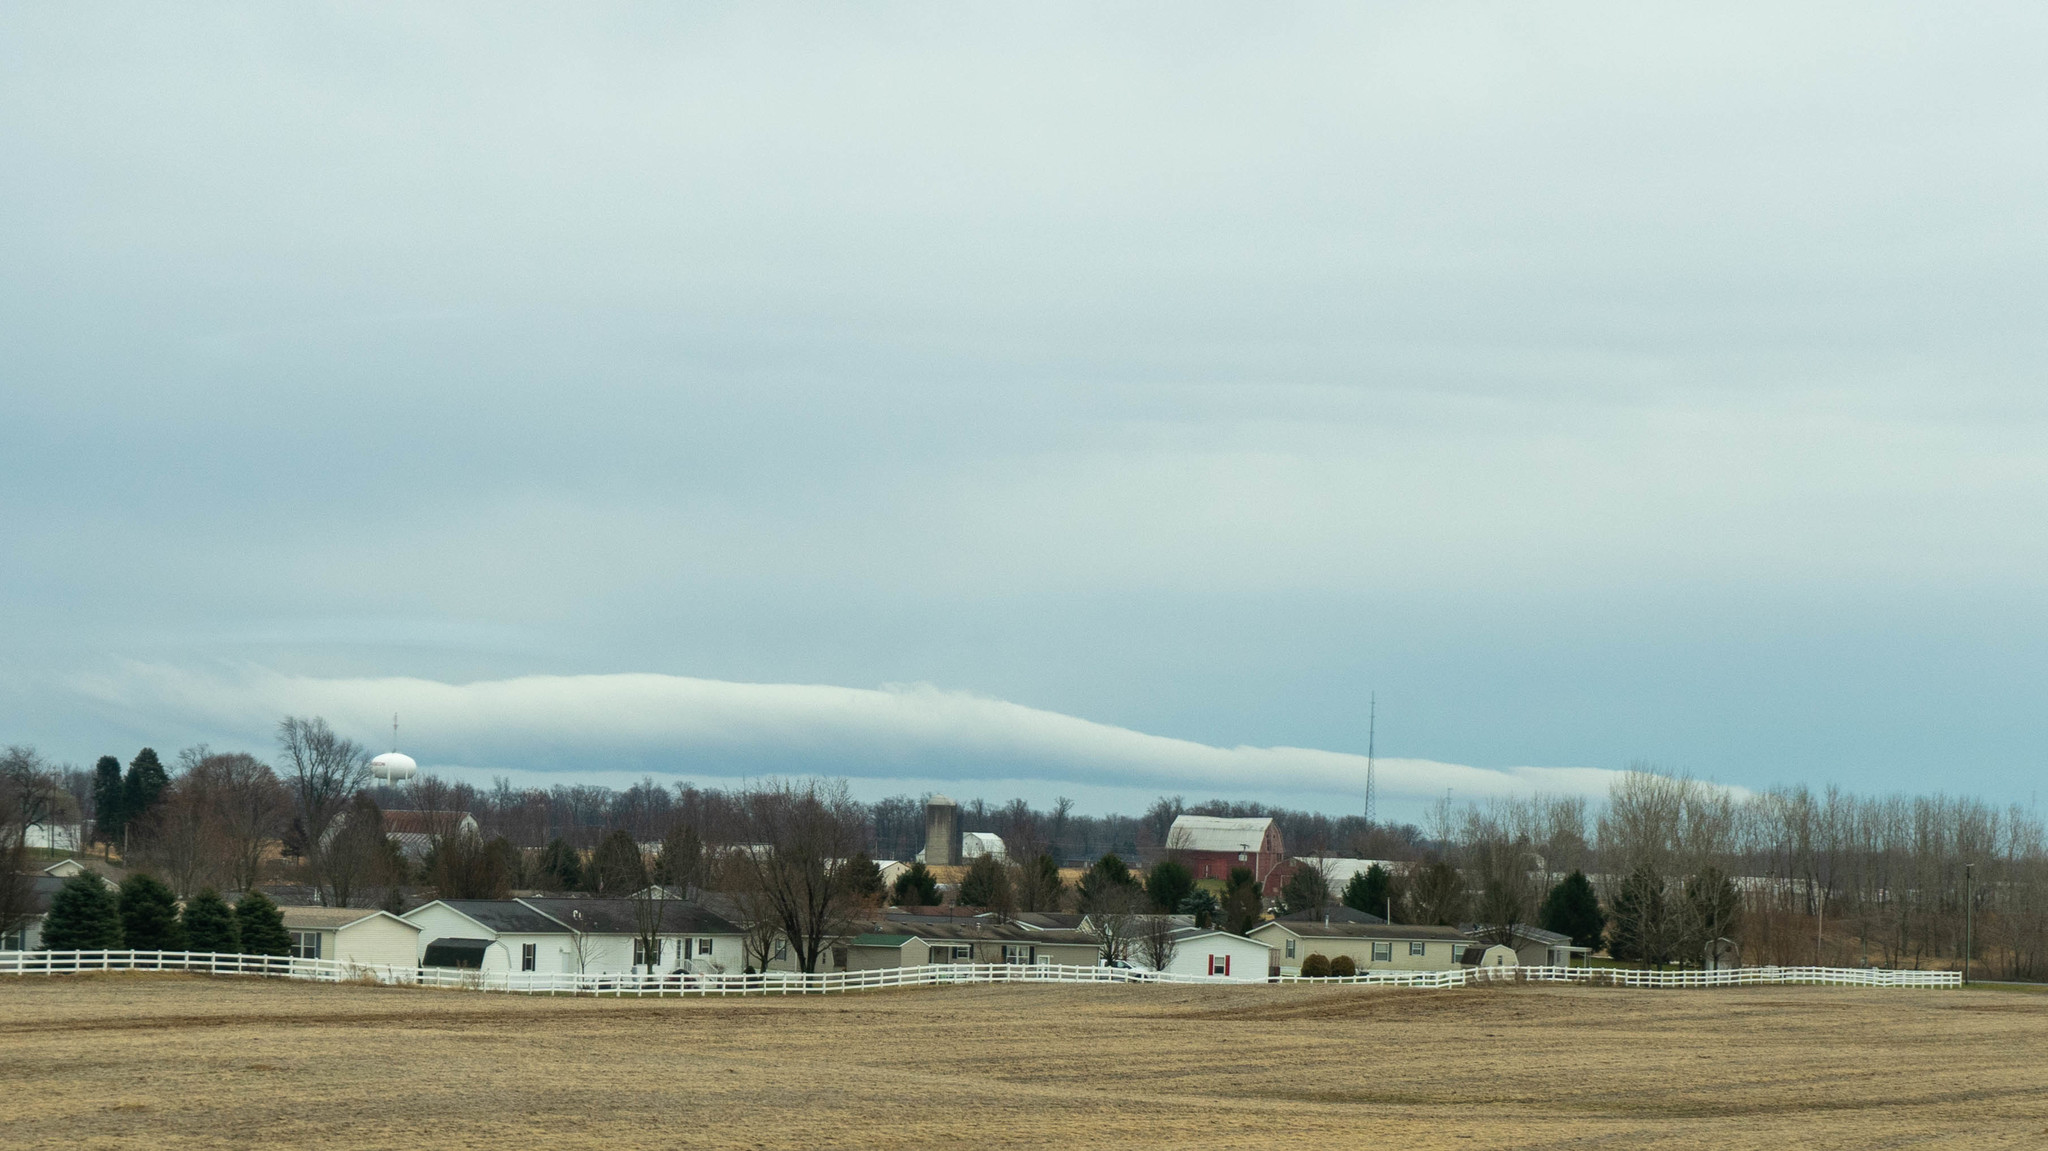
{"x":703,"y":947}
{"x":1290,"y":948}
{"x":782,"y":949}
{"x":1219,"y":965}
{"x":1382,"y":952}
{"x":529,"y":956}
{"x":940,"y":955}
{"x":16,"y":940}
{"x":839,"y":957}
{"x":1018,"y":953}
{"x":1418,"y":948}
{"x":305,"y":945}
{"x":640,"y":953}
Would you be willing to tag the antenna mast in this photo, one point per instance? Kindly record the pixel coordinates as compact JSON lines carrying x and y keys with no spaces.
{"x":394,"y":731}
{"x":1372,"y":723}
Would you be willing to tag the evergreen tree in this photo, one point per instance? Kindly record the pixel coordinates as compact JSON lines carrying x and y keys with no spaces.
{"x":149,"y":915}
{"x":986,"y":884}
{"x":210,"y":924}
{"x":1437,"y":895}
{"x":1039,"y":886}
{"x":617,"y":867}
{"x":561,"y":868}
{"x":1201,"y":903}
{"x":1640,"y":932}
{"x":107,"y":799}
{"x":862,"y":878}
{"x":1306,"y":889}
{"x":1109,"y":873}
{"x":83,"y":916}
{"x":1370,"y":891}
{"x":1168,"y":883}
{"x":261,"y":926}
{"x":139,"y":792}
{"x":917,"y":887}
{"x":1572,"y":909}
{"x":1244,"y":902}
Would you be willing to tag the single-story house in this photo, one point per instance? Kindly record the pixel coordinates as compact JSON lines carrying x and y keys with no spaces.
{"x":1206,"y":951}
{"x":1373,"y":947}
{"x":1536,"y":947}
{"x":893,"y":943}
{"x":355,"y":935}
{"x":28,"y":934}
{"x":65,"y":869}
{"x":588,"y":936}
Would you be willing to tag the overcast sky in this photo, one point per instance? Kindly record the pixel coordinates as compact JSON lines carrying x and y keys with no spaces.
{"x":1028,"y":400}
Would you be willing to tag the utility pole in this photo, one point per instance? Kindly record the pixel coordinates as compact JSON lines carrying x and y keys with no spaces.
{"x":1969,"y":916}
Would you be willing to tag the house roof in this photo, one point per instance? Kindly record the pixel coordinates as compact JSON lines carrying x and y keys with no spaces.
{"x":1395,"y":931}
{"x":1337,"y":913}
{"x":1215,"y":833}
{"x":502,"y":915}
{"x":1522,"y":931}
{"x":622,"y":916}
{"x":334,"y":918}
{"x":969,"y":931}
{"x":1049,"y":920}
{"x":881,"y":939}
{"x":400,"y":821}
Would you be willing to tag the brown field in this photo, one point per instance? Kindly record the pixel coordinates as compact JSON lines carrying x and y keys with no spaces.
{"x":173,"y":1061}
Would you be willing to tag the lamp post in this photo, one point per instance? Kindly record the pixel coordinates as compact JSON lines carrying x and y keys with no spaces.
{"x":1969,"y":916}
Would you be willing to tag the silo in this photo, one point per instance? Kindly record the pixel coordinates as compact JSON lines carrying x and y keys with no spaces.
{"x":941,"y":832}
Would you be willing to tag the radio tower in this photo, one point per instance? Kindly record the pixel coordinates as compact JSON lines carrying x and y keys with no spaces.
{"x":1371,"y":784}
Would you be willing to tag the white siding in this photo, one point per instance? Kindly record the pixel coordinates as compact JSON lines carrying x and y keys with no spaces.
{"x":1249,"y":959}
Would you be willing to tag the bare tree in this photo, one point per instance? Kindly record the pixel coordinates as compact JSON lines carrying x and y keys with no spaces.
{"x":33,"y":796}
{"x":251,"y":807}
{"x":1156,"y":944}
{"x":1113,"y":919}
{"x":324,"y":772}
{"x":802,"y":835}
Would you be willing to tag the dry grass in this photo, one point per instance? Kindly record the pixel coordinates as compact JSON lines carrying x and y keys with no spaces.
{"x":141,"y":1061}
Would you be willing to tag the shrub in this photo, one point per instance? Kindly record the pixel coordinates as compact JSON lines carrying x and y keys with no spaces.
{"x":83,"y":916}
{"x":262,"y":926}
{"x":149,"y":915}
{"x":1316,"y":966}
{"x":1343,"y":965}
{"x":210,"y":924}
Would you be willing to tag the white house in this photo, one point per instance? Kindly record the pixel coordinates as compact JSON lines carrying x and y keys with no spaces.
{"x":587,"y":936}
{"x":1204,"y":951}
{"x":353,"y":935}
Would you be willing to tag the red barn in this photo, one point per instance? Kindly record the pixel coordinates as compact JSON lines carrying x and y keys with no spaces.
{"x":1211,"y":846}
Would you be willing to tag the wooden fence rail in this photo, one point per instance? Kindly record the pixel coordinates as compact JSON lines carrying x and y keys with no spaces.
{"x":793,"y":983}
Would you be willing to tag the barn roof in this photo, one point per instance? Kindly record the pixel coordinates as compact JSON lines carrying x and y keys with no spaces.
{"x":1216,"y":833}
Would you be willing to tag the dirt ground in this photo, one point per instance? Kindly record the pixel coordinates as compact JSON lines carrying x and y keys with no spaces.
{"x":175,"y":1061}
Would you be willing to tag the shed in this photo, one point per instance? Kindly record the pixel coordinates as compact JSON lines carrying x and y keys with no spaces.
{"x":454,"y":951}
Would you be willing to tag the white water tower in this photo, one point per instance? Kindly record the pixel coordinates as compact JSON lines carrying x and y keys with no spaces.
{"x":393,"y":766}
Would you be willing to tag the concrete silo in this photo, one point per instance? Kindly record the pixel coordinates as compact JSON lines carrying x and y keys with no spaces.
{"x":941,"y":832}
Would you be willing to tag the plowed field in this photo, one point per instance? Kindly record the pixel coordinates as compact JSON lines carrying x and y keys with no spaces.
{"x":174,"y":1061}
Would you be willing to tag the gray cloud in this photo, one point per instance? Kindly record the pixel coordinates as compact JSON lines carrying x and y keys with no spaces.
{"x":1593,"y":382}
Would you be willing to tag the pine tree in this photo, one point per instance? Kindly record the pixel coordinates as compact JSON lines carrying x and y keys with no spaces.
{"x":107,"y":800}
{"x":616,"y":867}
{"x":1641,"y":929}
{"x":1370,"y":891}
{"x":149,"y":915}
{"x":1306,"y":889}
{"x":986,"y":884}
{"x":917,"y":887}
{"x":261,"y":926}
{"x":561,"y":869}
{"x":1573,"y":909}
{"x":1244,"y":902}
{"x":862,"y":878}
{"x":210,"y":924}
{"x":1168,"y":883}
{"x":145,"y":783}
{"x":83,"y":916}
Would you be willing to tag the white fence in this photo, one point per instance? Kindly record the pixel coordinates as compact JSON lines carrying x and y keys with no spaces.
{"x":789,"y":983}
